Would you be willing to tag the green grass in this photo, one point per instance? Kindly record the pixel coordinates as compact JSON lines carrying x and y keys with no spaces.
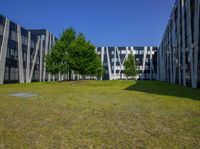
{"x":100,"y":114}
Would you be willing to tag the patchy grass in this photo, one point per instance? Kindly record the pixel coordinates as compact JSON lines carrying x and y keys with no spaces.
{"x":100,"y":114}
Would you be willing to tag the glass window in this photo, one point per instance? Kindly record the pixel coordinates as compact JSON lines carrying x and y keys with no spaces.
{"x":13,"y":73}
{"x":24,"y":56}
{"x":13,"y":36}
{"x":32,"y":44}
{"x":1,"y":29}
{"x":12,"y":53}
{"x":8,"y":53}
{"x":24,"y":40}
{"x":16,"y":54}
{"x":123,"y":52}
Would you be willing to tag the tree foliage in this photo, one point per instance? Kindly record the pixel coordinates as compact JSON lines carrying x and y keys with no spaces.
{"x":130,"y":66}
{"x":82,"y":57}
{"x":74,"y":52}
{"x":56,"y":60}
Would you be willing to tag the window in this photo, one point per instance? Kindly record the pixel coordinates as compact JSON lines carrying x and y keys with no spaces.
{"x":123,"y":52}
{"x":8,"y":53}
{"x":13,"y":73}
{"x":113,"y":59}
{"x":13,"y":36}
{"x":6,"y":73}
{"x":1,"y":29}
{"x":141,"y":52}
{"x":24,"y":40}
{"x":146,"y":67}
{"x":12,"y":53}
{"x":105,"y":64}
{"x":24,"y":56}
{"x":38,"y":60}
{"x":32,"y":44}
{"x":16,"y":54}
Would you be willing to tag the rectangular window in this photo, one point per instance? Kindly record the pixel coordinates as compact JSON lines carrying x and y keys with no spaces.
{"x":123,"y":52}
{"x":12,"y":53}
{"x":8,"y":53}
{"x":1,"y":30}
{"x":13,"y":73}
{"x":24,"y":56}
{"x":13,"y":36}
{"x":24,"y":40}
{"x":6,"y":73}
{"x":32,"y":44}
{"x":16,"y":54}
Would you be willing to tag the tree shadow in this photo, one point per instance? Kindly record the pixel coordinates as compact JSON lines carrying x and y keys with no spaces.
{"x":162,"y":88}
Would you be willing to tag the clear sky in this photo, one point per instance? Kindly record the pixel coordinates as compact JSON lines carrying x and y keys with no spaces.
{"x":103,"y":22}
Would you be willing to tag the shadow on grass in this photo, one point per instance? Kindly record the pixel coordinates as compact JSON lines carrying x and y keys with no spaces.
{"x":161,"y":88}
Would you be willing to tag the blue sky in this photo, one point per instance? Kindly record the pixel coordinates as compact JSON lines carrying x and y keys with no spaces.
{"x":103,"y":22}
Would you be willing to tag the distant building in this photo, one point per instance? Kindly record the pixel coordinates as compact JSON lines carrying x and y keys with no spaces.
{"x":179,"y":52}
{"x":22,"y":53}
{"x":113,"y":59}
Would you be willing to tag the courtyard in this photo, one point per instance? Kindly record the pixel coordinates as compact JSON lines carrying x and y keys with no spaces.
{"x":99,"y":114}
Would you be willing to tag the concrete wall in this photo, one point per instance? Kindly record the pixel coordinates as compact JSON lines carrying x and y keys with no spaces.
{"x":178,"y":54}
{"x":113,"y":59}
{"x":22,"y":53}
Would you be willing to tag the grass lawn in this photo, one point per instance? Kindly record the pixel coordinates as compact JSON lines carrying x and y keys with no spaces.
{"x":100,"y":114}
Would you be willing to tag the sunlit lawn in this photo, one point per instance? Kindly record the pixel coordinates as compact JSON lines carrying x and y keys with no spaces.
{"x":100,"y":114}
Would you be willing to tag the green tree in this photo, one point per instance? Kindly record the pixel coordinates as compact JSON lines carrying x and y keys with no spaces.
{"x":130,"y":67}
{"x":56,"y":60}
{"x":83,"y":59}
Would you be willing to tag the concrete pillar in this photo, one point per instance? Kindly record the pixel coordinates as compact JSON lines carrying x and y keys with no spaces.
{"x":28,"y":57}
{"x":3,"y":51}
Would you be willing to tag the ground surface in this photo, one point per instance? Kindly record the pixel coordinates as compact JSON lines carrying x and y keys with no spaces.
{"x":100,"y":114}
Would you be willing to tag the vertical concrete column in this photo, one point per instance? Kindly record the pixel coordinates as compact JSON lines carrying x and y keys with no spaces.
{"x":119,"y":59}
{"x":179,"y":42}
{"x":20,"y":57}
{"x":183,"y":42}
{"x":114,"y":76}
{"x":50,"y":45}
{"x":189,"y":33}
{"x":102,"y":57}
{"x":196,"y":41}
{"x":170,"y":61}
{"x":34,"y":59}
{"x":54,"y":42}
{"x":144,"y":62}
{"x":109,"y":65}
{"x":126,"y":56}
{"x":41,"y":58}
{"x":4,"y":49}
{"x":174,"y":44}
{"x":28,"y":57}
{"x":151,"y":63}
{"x":46,"y":52}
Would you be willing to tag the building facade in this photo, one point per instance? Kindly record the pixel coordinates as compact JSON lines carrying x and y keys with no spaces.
{"x":179,"y":54}
{"x":22,"y":53}
{"x":113,"y":59}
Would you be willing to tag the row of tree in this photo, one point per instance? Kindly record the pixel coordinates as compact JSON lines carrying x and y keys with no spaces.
{"x":74,"y":53}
